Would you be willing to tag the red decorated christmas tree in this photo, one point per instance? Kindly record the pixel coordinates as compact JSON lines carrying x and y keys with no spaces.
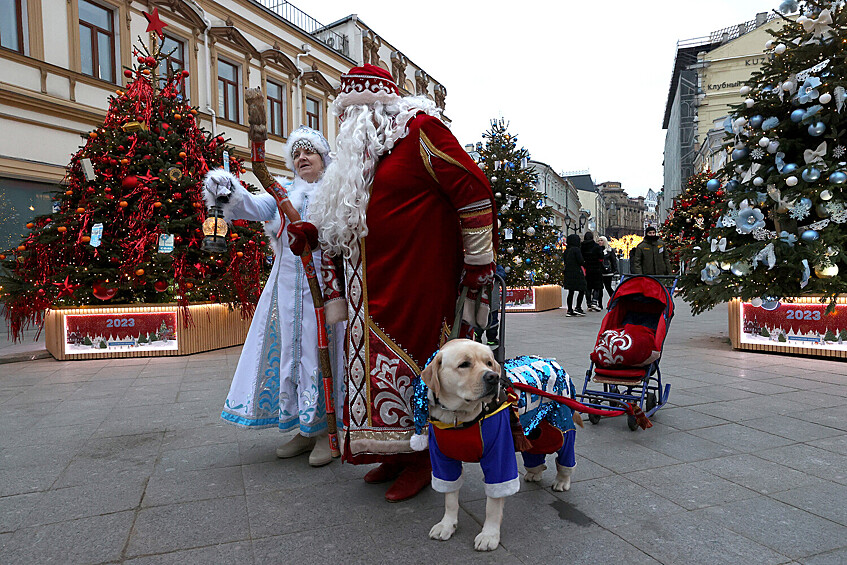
{"x":127,"y":225}
{"x":694,"y":213}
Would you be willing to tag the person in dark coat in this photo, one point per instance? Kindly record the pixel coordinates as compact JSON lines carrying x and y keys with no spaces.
{"x":574,"y":276}
{"x":610,"y":267}
{"x":650,"y":257}
{"x":592,"y":254}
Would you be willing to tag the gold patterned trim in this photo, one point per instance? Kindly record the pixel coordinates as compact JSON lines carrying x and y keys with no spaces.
{"x":393,"y":346}
{"x":438,"y":153}
{"x":425,"y":157}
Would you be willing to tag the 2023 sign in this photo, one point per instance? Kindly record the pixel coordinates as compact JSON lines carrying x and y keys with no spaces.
{"x":120,"y":323}
{"x":803,"y":315}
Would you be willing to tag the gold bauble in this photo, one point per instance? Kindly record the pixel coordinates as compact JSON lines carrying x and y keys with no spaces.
{"x":826,"y":272}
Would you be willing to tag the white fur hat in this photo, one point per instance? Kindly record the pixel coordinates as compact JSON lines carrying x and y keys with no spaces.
{"x":314,"y":138}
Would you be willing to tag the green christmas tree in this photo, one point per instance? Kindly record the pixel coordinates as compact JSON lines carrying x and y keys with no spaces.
{"x":694,"y":214}
{"x":129,"y":221}
{"x":784,"y":219}
{"x":527,"y":235}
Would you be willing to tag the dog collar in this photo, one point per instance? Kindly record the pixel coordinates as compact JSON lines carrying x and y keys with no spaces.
{"x":487,"y":411}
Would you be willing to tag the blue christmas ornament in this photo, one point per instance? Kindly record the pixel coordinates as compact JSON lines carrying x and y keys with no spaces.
{"x":797,"y":116}
{"x":817,"y":129}
{"x":768,"y":88}
{"x":738,"y":154}
{"x":810,"y":235}
{"x":732,"y":184}
{"x":805,"y":202}
{"x":756,"y":121}
{"x":789,"y":168}
{"x":811,"y":111}
{"x":811,"y":174}
{"x":713,"y":185}
{"x":770,"y":123}
{"x":838,"y":177}
{"x":528,"y":260}
{"x":770,"y":303}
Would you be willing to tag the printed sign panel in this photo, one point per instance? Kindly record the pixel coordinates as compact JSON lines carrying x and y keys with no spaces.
{"x":795,"y":325}
{"x":520,"y":299}
{"x":130,"y":331}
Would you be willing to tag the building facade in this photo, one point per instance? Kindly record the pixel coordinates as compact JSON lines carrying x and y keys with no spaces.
{"x":651,"y":216}
{"x":591,"y":216}
{"x":624,"y":215}
{"x":65,"y":59}
{"x":707,"y":74}
{"x":559,"y":193}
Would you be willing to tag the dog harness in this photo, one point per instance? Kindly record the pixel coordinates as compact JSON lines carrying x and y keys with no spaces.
{"x":487,"y":441}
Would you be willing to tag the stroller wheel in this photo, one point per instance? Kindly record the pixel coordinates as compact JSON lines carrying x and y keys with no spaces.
{"x":651,"y":401}
{"x":630,"y":421}
{"x":594,"y":418}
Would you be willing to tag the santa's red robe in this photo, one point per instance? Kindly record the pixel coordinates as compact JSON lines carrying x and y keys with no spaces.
{"x":403,"y":284}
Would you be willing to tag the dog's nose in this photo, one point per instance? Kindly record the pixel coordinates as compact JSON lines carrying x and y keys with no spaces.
{"x":490,"y":378}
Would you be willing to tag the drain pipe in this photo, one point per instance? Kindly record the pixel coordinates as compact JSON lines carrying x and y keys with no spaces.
{"x":305,"y":50}
{"x":209,"y":107}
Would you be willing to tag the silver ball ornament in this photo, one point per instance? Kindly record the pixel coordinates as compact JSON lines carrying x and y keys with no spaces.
{"x":825,"y":98}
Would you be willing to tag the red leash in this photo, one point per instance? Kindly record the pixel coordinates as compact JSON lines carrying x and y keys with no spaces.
{"x":631,"y":409}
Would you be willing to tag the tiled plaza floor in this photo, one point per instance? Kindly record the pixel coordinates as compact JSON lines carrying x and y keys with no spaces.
{"x":128,"y":461}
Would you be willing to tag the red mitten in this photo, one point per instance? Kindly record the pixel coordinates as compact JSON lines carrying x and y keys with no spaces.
{"x":300,"y":234}
{"x":477,"y":276}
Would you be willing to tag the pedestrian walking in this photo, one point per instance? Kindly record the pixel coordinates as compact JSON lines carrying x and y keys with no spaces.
{"x":650,"y":257}
{"x":610,"y":267}
{"x":574,"y":275}
{"x":592,"y":254}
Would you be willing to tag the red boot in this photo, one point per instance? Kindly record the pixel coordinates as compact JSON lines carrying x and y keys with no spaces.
{"x":384,"y":472}
{"x":414,"y":478}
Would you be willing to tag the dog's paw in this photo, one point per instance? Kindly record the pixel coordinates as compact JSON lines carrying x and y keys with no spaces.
{"x":561,"y":484}
{"x":533,"y":474}
{"x":442,"y":530}
{"x":486,"y":541}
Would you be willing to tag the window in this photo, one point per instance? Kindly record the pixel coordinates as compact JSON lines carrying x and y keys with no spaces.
{"x":313,"y":113}
{"x":11,"y":25}
{"x":97,"y":40}
{"x":277,"y":108}
{"x":228,"y":90}
{"x":175,"y":59}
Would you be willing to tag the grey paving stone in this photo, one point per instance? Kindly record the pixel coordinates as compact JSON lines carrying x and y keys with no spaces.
{"x":88,"y":540}
{"x":14,"y":509}
{"x":684,"y":446}
{"x":741,"y":437}
{"x":53,"y":456}
{"x":693,"y":541}
{"x":832,"y":417}
{"x":793,"y":428}
{"x":689,"y":486}
{"x":838,"y":444}
{"x":755,"y":473}
{"x":808,"y":459}
{"x":813,"y":399}
{"x":193,"y":458}
{"x":540,"y":528}
{"x":200,"y":436}
{"x":837,"y":557}
{"x":685,"y":419}
{"x":186,"y":486}
{"x":189,"y":525}
{"x":823,"y":499}
{"x":22,"y":480}
{"x":103,"y":497}
{"x":155,"y":395}
{"x":781,"y":527}
{"x":238,"y":552}
{"x":624,"y":457}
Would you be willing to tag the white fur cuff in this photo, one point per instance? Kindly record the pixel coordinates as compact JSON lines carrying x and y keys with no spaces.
{"x":336,"y":311}
{"x":419,"y":442}
{"x":440,"y":485}
{"x":219,"y":183}
{"x":499,"y":490}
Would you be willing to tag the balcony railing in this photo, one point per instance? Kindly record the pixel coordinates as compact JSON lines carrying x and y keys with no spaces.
{"x":298,"y":18}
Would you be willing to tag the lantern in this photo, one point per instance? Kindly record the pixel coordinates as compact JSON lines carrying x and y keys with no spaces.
{"x":214,"y":228}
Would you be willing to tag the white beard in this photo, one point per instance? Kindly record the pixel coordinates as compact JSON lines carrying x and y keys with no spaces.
{"x":367,"y":132}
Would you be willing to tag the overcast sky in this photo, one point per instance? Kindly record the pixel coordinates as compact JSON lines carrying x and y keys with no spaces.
{"x":583,"y":85}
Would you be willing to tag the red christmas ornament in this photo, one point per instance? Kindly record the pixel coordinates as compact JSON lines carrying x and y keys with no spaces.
{"x":128,"y":183}
{"x":128,"y":73}
{"x":103,"y":290}
{"x":160,"y":285}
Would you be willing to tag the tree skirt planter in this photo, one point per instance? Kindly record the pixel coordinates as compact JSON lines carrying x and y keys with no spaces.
{"x":534,"y":299}
{"x":798,"y":326}
{"x":141,"y":330}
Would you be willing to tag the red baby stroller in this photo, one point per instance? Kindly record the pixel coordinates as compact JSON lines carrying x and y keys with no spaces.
{"x":625,"y":360}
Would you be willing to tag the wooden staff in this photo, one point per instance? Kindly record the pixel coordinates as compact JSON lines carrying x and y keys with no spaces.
{"x":258,"y":136}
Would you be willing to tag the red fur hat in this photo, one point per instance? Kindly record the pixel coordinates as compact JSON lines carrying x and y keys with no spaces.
{"x":367,"y":84}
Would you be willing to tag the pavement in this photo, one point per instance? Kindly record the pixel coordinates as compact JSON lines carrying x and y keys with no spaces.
{"x":128,"y":461}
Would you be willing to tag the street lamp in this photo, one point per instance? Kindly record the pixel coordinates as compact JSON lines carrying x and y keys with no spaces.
{"x":577,"y":224}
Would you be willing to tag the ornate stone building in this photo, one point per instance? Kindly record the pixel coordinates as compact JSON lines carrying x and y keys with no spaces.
{"x":64,"y":59}
{"x":624,"y":215}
